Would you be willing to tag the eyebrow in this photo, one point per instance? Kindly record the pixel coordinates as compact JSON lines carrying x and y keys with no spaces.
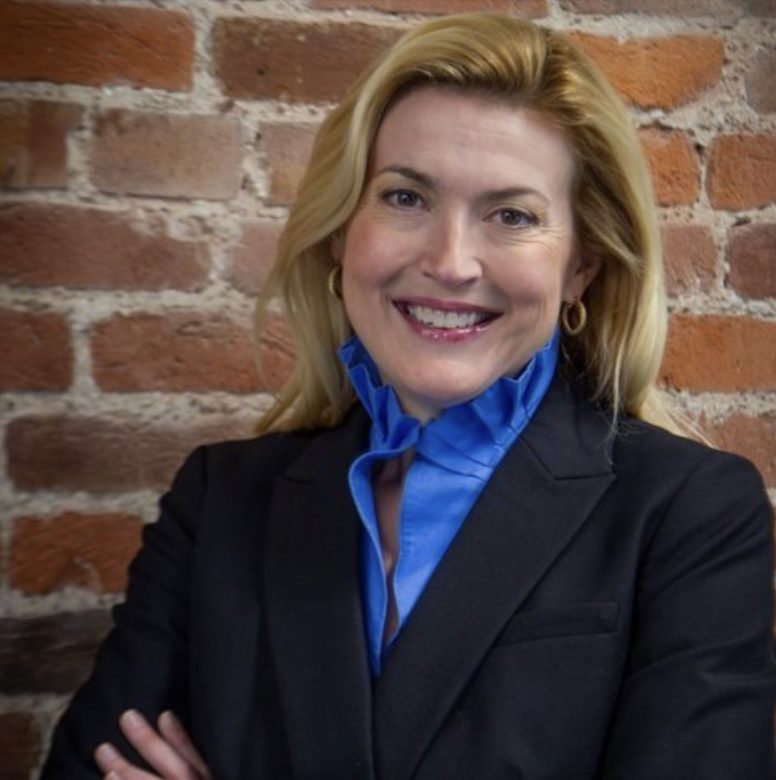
{"x":408,"y":173}
{"x":428,"y":181}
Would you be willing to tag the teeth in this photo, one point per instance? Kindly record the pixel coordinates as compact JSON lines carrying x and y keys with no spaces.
{"x":445,"y":319}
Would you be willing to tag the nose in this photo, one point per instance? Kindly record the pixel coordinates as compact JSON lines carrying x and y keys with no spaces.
{"x":450,"y":256}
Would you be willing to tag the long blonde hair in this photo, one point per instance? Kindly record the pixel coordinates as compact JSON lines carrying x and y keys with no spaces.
{"x":521,"y":64}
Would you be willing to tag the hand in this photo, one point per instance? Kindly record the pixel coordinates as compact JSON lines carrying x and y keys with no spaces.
{"x":169,"y":751}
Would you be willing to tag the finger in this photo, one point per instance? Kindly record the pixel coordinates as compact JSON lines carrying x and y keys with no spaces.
{"x":116,"y":767}
{"x":172,"y":730}
{"x":163,"y":758}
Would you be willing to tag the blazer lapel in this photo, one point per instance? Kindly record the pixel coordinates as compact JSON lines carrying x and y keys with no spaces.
{"x":536,"y":501}
{"x":314,"y":620}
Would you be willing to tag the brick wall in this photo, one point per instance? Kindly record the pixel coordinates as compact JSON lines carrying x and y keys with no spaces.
{"x":148,"y":152}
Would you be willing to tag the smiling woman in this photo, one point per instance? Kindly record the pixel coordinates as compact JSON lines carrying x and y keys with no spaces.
{"x":462,"y":249}
{"x":470,"y":533}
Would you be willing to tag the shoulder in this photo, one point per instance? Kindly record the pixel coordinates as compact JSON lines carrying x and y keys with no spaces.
{"x":657,"y":454}
{"x":243,"y":463}
{"x":249,"y":465}
{"x":691,"y":491}
{"x":273,"y":451}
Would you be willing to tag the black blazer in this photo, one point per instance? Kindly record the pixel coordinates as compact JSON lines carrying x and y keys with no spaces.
{"x":605,"y":612}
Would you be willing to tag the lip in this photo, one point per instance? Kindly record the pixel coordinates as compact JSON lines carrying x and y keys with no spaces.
{"x":431,"y":333}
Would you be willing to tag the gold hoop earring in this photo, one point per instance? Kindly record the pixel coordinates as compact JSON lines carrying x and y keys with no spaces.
{"x":580,"y":315}
{"x":334,"y":282}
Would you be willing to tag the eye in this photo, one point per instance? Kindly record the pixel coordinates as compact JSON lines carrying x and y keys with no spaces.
{"x":514,"y":218}
{"x":402,"y":199}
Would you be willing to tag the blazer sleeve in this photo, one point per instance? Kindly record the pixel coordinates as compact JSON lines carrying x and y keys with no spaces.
{"x":143,"y":662}
{"x":697,"y":701}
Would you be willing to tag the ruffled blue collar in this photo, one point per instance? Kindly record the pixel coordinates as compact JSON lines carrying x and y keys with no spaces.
{"x":465,"y":438}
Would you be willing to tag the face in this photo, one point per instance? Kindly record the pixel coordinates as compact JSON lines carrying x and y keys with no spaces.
{"x":457,"y":260}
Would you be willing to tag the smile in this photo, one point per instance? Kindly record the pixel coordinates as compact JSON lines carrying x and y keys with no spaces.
{"x":454,"y":320}
{"x":448,"y":320}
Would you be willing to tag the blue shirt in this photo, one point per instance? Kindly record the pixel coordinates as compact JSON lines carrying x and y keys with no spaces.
{"x":455,"y":455}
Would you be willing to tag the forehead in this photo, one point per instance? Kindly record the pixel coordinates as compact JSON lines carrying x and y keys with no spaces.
{"x":471,"y":133}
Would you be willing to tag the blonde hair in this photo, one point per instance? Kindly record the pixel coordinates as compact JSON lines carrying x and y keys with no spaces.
{"x":518,"y":63}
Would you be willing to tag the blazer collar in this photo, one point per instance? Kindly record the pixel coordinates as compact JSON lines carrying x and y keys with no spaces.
{"x":313,"y":609}
{"x":536,"y":501}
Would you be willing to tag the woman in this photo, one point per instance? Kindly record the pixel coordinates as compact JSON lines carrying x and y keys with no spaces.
{"x":496,"y":562}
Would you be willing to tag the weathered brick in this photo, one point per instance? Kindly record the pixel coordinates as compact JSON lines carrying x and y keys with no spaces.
{"x":751,"y":253}
{"x":527,"y":8}
{"x":752,"y":437}
{"x":717,"y":353}
{"x":71,"y":43}
{"x":690,"y":257}
{"x":763,"y":8}
{"x":167,"y":155}
{"x":33,"y":142}
{"x":20,"y":744}
{"x":287,"y":148}
{"x":294,"y":61}
{"x":742,"y":171}
{"x":182,"y":351}
{"x":85,"y":248}
{"x":51,"y":654}
{"x":657,"y":72}
{"x":713,"y":8}
{"x":254,"y":255}
{"x":673,"y":165}
{"x":36,"y":352}
{"x":761,"y":82}
{"x":105,"y":455}
{"x":87,"y":550}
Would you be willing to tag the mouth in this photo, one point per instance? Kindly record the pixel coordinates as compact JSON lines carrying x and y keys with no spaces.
{"x":435,"y":319}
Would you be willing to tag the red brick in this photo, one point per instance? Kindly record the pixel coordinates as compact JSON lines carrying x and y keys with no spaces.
{"x":690,"y":257}
{"x":33,"y":142}
{"x":673,"y":164}
{"x":717,"y":353}
{"x":761,"y":82}
{"x":254,"y":255}
{"x":657,"y":72}
{"x":528,"y":8}
{"x":742,"y":171}
{"x":84,"y":248}
{"x":167,"y":155}
{"x":287,"y":148}
{"x":178,"y":351}
{"x":713,"y":8}
{"x":105,"y":455}
{"x":20,"y":744}
{"x":763,"y":8}
{"x":752,"y":437}
{"x":86,"y":550}
{"x":751,"y":252}
{"x":70,"y":43}
{"x":294,"y":61}
{"x":49,"y":653}
{"x":36,"y":352}
{"x":182,"y":351}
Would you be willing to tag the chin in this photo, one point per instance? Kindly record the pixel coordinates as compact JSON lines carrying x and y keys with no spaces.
{"x":434,"y":400}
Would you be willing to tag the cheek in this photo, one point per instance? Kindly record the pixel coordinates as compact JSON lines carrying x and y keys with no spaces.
{"x":531,"y":284}
{"x":372,"y":257}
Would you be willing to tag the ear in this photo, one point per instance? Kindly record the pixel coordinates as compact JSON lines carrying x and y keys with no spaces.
{"x":580,"y":273}
{"x":337,"y":244}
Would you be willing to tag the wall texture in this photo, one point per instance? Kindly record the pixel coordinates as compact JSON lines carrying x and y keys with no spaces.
{"x":148,"y":152}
